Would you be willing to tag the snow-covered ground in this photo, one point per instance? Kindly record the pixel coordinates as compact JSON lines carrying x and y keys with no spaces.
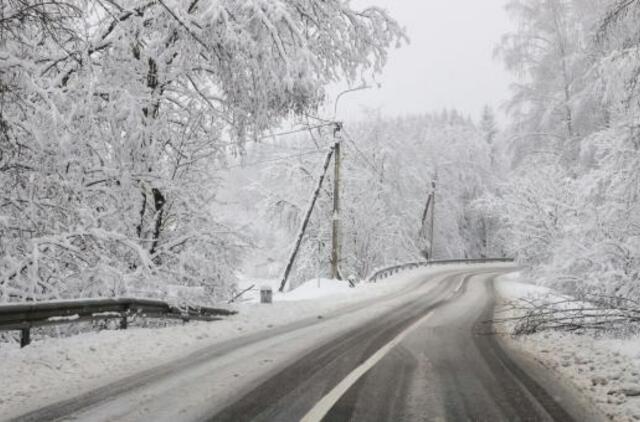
{"x":605,"y":369}
{"x":312,"y":289}
{"x":55,"y":369}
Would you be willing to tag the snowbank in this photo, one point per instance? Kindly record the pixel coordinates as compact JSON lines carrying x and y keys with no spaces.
{"x":320,"y":288}
{"x":510,"y":286}
{"x":605,"y":369}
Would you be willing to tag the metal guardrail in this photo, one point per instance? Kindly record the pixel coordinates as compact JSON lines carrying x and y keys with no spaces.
{"x":24,"y":316}
{"x":394,"y":269}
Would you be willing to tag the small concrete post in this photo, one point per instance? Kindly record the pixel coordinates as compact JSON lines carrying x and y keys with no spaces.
{"x":25,"y":337}
{"x":266,"y":294}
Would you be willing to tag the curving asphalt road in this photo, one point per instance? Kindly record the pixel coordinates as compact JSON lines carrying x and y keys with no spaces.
{"x":424,"y":353}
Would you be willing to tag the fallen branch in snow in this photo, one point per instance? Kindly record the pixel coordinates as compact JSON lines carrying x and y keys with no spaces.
{"x":588,"y":313}
{"x":233,"y":299}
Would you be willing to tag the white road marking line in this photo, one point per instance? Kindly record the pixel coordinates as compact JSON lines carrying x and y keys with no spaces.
{"x":460,"y":285}
{"x":321,"y":408}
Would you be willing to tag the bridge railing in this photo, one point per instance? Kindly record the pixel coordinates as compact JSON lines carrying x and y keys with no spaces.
{"x":385,"y":272}
{"x":24,"y":316}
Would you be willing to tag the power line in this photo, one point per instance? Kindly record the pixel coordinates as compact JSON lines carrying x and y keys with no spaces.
{"x":274,"y":135}
{"x":361,"y":154}
{"x":284,"y":147}
{"x":289,"y":132}
{"x":273,"y":160}
{"x":320,"y":119}
{"x":294,"y":131}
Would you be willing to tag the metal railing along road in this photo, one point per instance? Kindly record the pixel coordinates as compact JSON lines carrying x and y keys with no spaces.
{"x":24,"y":316}
{"x":394,"y":269}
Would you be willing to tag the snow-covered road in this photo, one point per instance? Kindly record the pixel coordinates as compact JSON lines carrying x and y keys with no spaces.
{"x":52,"y":370}
{"x":442,"y":364}
{"x":283,"y":372}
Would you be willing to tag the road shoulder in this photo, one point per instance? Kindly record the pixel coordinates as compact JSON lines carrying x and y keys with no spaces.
{"x":110,"y":361}
{"x":589,"y":374}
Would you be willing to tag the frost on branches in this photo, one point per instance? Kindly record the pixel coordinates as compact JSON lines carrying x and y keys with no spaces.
{"x":116,"y":116}
{"x":388,"y":166}
{"x":570,"y":209}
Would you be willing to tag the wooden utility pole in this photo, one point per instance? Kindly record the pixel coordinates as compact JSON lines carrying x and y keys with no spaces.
{"x":305,"y":222}
{"x":425,"y":213}
{"x":422,"y":234}
{"x":335,"y":237}
{"x":433,"y":213}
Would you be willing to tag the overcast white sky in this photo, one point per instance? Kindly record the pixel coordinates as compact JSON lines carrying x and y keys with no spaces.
{"x":449,"y":62}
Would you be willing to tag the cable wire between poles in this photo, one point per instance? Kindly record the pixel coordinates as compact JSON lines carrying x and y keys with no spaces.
{"x":257,"y":163}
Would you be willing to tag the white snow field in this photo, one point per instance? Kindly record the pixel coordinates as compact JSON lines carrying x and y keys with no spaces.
{"x":54,"y":369}
{"x":605,"y":369}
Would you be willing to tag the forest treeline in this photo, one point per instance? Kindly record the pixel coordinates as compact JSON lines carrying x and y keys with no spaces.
{"x":558,"y":188}
{"x":388,"y":168}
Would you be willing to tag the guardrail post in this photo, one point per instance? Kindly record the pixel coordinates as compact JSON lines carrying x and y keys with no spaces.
{"x":25,"y":336}
{"x":185,"y":316}
{"x":124,"y":322}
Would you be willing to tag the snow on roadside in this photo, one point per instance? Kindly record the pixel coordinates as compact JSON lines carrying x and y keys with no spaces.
{"x":605,"y":369}
{"x":311,"y":289}
{"x":55,"y":369}
{"x":319,"y":288}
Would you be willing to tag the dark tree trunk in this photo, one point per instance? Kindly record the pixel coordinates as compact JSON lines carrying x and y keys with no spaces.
{"x":159,"y":201}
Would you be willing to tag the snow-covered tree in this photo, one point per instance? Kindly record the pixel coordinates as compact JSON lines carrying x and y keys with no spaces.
{"x":115,"y":118}
{"x":488,"y":125}
{"x":569,"y":211}
{"x":388,"y":166}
